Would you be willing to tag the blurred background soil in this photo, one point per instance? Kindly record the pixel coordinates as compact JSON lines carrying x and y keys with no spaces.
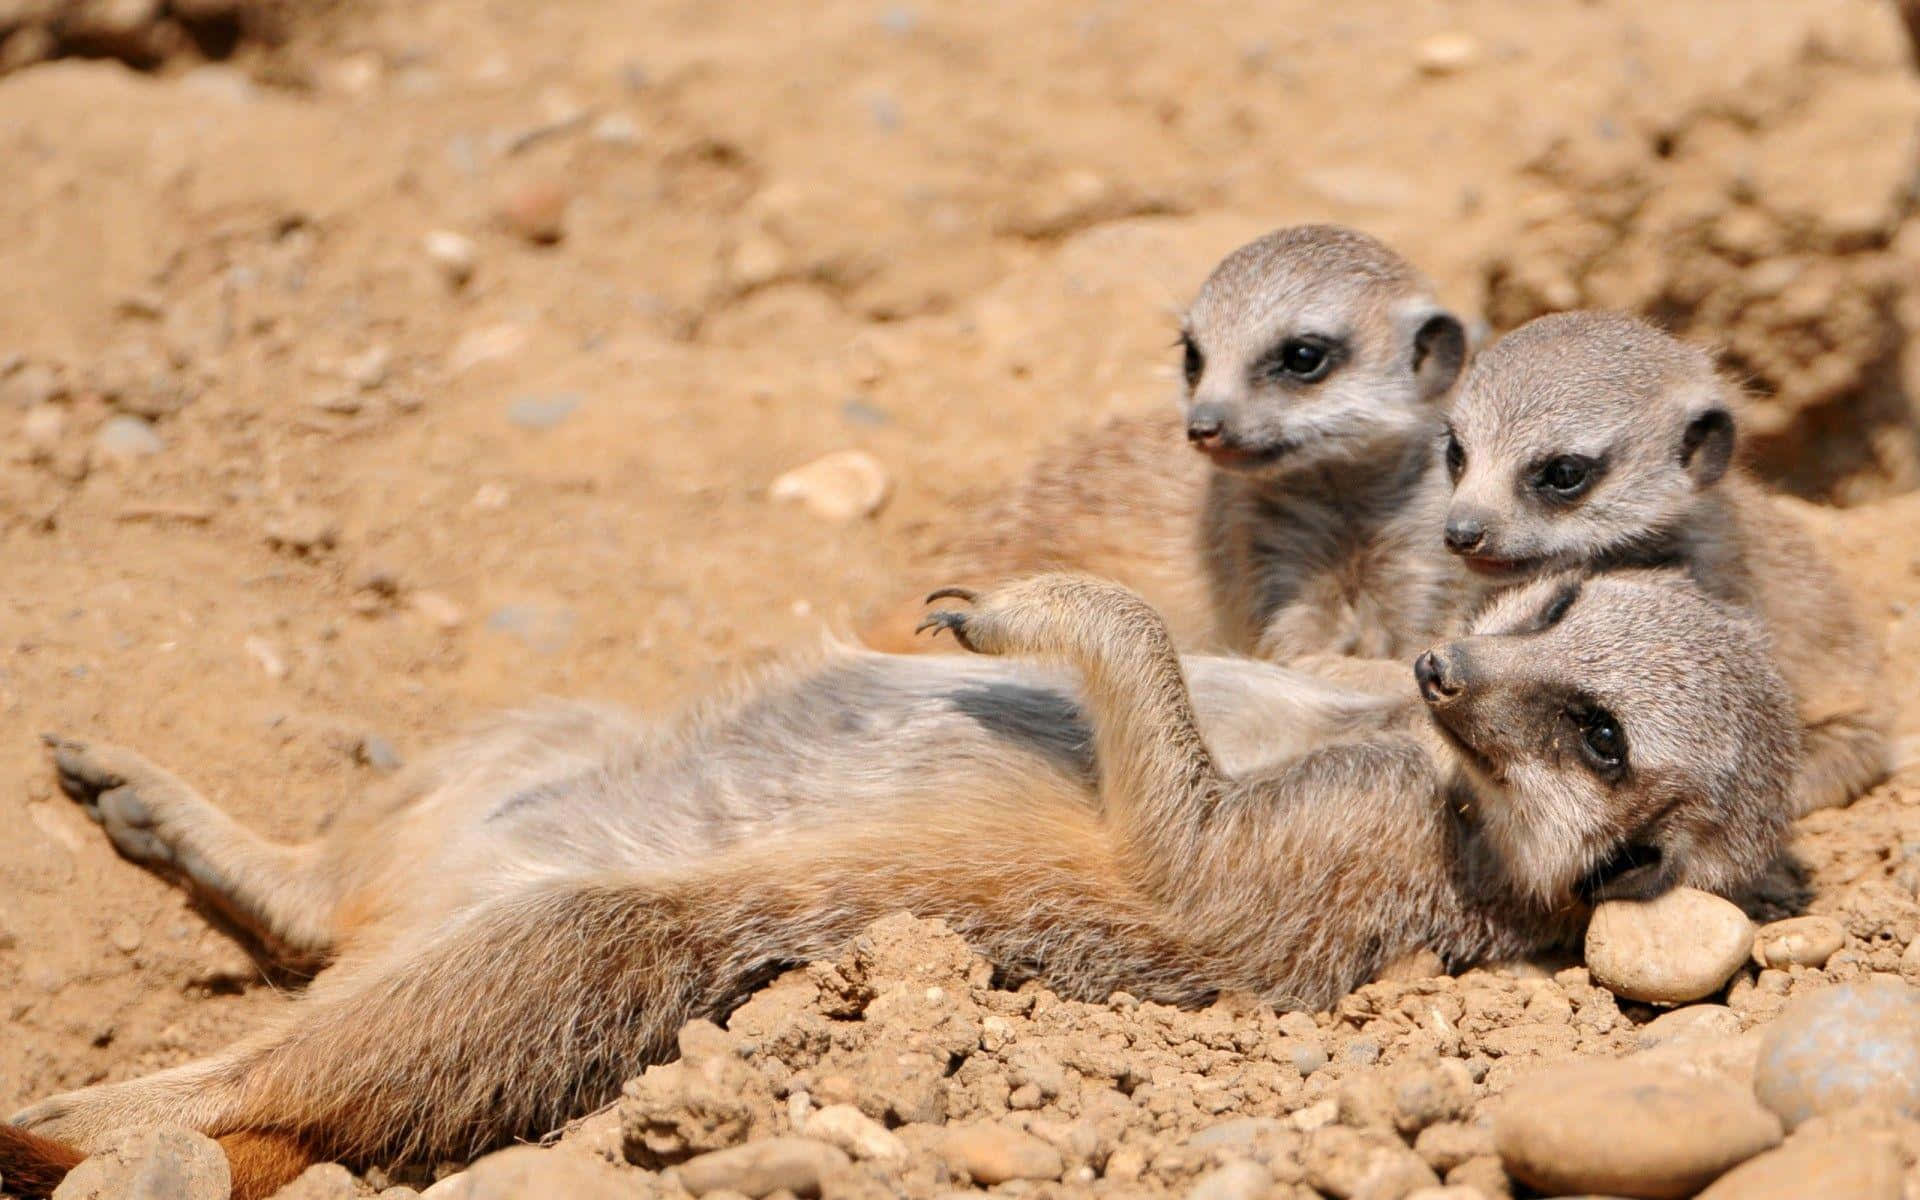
{"x":367,"y":365}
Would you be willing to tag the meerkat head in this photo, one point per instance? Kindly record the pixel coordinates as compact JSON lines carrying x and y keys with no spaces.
{"x":1622,"y":734}
{"x":1313,"y":341}
{"x":1580,"y":437}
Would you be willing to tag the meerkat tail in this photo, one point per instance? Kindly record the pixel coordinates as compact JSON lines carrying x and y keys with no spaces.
{"x":262,"y":1162}
{"x":33,"y":1166}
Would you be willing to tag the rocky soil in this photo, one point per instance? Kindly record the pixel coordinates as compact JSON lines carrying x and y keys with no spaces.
{"x":368,"y":366}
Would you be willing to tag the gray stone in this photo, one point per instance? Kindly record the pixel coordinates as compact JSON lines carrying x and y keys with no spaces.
{"x":1858,"y":1043}
{"x":321,"y":1181}
{"x":543,"y":412}
{"x":158,"y":1162}
{"x":126,"y":438}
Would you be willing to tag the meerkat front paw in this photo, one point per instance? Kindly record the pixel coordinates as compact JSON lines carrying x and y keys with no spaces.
{"x":1047,"y":614}
{"x":121,"y":790}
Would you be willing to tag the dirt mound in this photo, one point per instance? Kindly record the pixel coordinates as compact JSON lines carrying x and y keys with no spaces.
{"x":1774,"y":220}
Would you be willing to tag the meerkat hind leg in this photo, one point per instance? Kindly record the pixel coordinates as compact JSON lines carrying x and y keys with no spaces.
{"x":274,"y":892}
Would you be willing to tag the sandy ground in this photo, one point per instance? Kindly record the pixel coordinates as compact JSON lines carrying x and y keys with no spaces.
{"x":365,"y":505}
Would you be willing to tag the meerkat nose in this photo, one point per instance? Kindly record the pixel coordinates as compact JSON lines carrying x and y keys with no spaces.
{"x":1438,"y":682}
{"x":1465,"y":534}
{"x":1204,"y":424}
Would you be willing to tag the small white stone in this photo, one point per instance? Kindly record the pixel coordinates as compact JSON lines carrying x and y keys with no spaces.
{"x":1448,"y":53}
{"x":124,"y":439}
{"x":840,"y":487}
{"x":851,"y":1130}
{"x":454,"y":255}
{"x":1798,"y":942}
{"x":268,"y":658}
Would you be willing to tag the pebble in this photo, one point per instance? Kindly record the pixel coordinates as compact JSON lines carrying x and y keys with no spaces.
{"x":1353,"y":1165}
{"x":453,"y":255}
{"x":376,"y":752}
{"x":486,"y":345}
{"x":125,"y":438}
{"x":1798,"y":942}
{"x":843,"y":486}
{"x":994,"y":1154}
{"x":1628,"y":1129}
{"x":157,"y":1162}
{"x":851,"y":1130}
{"x":1856,"y":1043}
{"x":1855,"y":1167}
{"x":523,"y":1171}
{"x":790,"y":1164}
{"x":1689,"y":1024}
{"x":1243,"y":1180}
{"x":439,"y":610}
{"x":1448,"y":1192}
{"x":1671,"y":950}
{"x":542,"y":412}
{"x":368,"y":369}
{"x":126,"y":936}
{"x":32,"y":384}
{"x":536,"y":212}
{"x":322,"y":1181}
{"x":1305,"y":1053}
{"x":1447,"y":53}
{"x":269,"y":658}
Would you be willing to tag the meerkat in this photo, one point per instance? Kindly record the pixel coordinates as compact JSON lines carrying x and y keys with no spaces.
{"x":1594,"y":439}
{"x":1282,"y":511}
{"x":530,"y":920}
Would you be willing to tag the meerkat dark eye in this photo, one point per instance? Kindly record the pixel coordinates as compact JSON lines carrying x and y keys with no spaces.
{"x":1456,"y":457}
{"x":1558,"y":606}
{"x":1601,"y":739}
{"x":1192,"y":361}
{"x":1567,"y":477}
{"x":1301,"y":360}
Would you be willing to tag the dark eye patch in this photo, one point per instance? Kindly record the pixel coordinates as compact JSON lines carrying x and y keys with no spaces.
{"x":1557,"y":607}
{"x":1305,"y":358}
{"x":1456,"y":455}
{"x":1192,"y":361}
{"x":1565,"y":478}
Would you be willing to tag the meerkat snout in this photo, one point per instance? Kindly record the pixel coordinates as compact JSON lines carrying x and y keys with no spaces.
{"x":1312,"y":341}
{"x":1440,"y":678}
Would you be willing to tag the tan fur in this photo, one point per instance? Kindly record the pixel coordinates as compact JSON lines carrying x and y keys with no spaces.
{"x":1303,"y":522}
{"x":563,"y":890}
{"x":1652,"y":411}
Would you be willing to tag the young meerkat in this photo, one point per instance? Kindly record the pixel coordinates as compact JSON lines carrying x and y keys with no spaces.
{"x":1594,"y":439}
{"x":1282,"y":511}
{"x":530,"y":921}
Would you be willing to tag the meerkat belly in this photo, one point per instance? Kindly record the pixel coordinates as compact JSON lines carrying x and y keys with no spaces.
{"x":865,"y":736}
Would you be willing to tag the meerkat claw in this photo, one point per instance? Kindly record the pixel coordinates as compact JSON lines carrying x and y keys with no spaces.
{"x":953,"y":622}
{"x":952,"y":593}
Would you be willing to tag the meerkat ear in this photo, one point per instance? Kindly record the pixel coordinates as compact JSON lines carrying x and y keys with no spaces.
{"x":1439,"y":351}
{"x":1706,"y":448}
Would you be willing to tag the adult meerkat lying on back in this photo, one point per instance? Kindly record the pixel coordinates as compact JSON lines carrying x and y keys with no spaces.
{"x":1314,"y":361}
{"x":1594,"y":439}
{"x":531,"y":922}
